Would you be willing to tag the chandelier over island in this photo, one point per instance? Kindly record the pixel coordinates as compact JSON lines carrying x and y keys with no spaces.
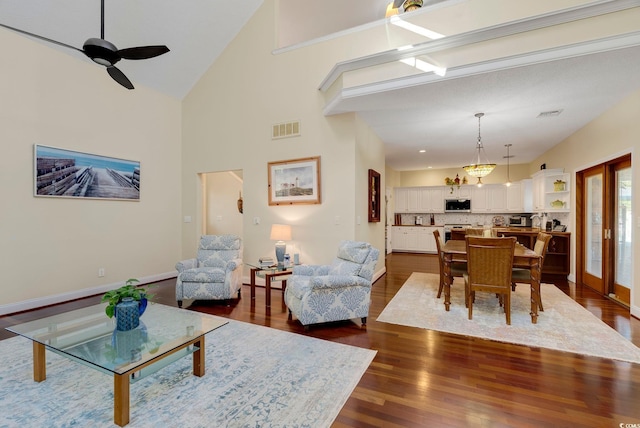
{"x":479,"y":166}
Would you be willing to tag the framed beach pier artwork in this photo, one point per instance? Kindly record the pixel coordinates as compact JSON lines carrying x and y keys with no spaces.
{"x":70,"y":174}
{"x":295,"y":181}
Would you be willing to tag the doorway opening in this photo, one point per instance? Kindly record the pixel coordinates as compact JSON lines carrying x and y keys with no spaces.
{"x":222,"y":203}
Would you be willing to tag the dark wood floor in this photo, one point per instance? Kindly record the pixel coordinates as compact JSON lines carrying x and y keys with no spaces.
{"x":422,"y":378}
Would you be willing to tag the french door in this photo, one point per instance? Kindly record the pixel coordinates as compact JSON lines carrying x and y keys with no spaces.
{"x":604,"y":221}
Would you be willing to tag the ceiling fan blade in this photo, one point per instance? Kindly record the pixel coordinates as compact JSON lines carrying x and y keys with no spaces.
{"x":41,"y":37}
{"x":143,"y":52}
{"x":119,"y":77}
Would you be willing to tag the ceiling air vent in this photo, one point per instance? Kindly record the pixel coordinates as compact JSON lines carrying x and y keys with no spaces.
{"x":285,"y":130}
{"x":550,"y":113}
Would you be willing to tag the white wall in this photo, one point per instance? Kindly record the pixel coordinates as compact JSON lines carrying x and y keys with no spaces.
{"x":227,"y":121}
{"x":51,"y":248}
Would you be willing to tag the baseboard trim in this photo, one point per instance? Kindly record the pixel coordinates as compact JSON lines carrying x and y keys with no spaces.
{"x":39,"y":302}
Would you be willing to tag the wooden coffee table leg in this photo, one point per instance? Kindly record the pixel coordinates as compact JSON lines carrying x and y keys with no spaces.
{"x":39,"y":362}
{"x":267,"y":289}
{"x":121,"y":399}
{"x":253,"y":283}
{"x":198,"y":358}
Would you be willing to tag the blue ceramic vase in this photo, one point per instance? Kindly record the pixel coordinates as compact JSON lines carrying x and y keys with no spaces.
{"x":127,"y":314}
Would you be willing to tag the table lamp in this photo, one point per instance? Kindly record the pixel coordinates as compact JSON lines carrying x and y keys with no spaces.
{"x":280,"y":233}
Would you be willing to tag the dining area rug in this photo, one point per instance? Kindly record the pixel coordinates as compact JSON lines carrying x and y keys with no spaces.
{"x":564,"y":324}
{"x":255,"y":377}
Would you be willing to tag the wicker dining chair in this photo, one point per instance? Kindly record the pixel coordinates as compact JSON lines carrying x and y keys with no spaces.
{"x":474,"y":231}
{"x":521,"y":275}
{"x":489,"y":268}
{"x":457,"y":268}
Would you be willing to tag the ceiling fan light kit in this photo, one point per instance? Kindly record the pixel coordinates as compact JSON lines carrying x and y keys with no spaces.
{"x":479,"y":166}
{"x":105,"y":53}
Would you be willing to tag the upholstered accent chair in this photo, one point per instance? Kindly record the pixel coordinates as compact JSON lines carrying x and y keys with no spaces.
{"x":216,"y":272}
{"x":339,"y":291}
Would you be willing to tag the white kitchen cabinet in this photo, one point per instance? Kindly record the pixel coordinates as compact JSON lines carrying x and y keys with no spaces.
{"x":398,"y":238}
{"x":426,"y":240}
{"x":432,"y":199}
{"x":455,"y":192}
{"x":416,"y":239}
{"x":490,"y":198}
{"x":419,"y":199}
{"x":551,"y":191}
{"x":515,"y":198}
{"x":479,"y":200}
{"x":497,"y":198}
{"x":407,"y":199}
{"x":538,"y":191}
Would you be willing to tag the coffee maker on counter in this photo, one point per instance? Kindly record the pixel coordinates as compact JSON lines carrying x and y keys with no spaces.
{"x":419,"y":220}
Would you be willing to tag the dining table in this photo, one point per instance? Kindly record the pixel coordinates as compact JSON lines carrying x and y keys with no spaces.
{"x":523,"y":257}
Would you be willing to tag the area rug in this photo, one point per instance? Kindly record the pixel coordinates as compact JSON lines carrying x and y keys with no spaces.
{"x":564,"y":325}
{"x":255,"y":377}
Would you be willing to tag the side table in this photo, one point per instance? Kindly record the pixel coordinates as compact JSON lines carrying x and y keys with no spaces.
{"x":269,"y":275}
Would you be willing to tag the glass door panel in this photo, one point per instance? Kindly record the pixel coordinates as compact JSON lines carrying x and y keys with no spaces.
{"x":593,"y":235}
{"x":624,"y":227}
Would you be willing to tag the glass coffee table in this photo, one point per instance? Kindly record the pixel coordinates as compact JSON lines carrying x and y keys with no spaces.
{"x":88,"y":336}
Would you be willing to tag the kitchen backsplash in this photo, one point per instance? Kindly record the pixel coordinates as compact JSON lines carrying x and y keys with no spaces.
{"x":472,"y":219}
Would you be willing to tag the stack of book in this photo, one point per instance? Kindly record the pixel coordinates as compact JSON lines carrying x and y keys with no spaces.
{"x":266,"y":262}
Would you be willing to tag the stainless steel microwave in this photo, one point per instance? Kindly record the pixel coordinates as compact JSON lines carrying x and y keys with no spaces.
{"x":457,"y":205}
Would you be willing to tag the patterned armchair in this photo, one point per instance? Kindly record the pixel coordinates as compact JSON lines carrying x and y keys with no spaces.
{"x":340,"y":291}
{"x":215,"y":274}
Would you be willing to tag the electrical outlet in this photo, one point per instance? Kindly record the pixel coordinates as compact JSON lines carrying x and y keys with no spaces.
{"x":101,"y":272}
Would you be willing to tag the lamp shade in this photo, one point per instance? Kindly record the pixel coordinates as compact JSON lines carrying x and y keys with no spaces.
{"x":280,"y":232}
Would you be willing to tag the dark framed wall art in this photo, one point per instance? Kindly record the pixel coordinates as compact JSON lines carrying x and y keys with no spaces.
{"x":374,"y":196}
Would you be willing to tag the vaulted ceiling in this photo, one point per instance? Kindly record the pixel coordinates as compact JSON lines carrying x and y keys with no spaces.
{"x":436,"y":115}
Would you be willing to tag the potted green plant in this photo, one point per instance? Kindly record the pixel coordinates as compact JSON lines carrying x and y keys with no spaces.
{"x":129,"y":289}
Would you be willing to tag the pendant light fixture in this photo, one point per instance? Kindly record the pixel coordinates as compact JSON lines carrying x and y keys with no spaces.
{"x":508,"y":183}
{"x":479,"y":166}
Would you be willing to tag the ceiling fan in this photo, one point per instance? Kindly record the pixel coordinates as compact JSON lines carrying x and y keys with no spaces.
{"x":105,"y":53}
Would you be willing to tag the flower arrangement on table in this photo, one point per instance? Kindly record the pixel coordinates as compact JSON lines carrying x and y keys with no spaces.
{"x":455,"y":182}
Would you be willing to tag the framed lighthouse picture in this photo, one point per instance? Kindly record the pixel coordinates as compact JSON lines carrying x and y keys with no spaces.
{"x":295,"y":181}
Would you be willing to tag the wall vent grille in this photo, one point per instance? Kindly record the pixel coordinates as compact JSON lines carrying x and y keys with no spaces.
{"x":285,"y":130}
{"x":550,"y":113}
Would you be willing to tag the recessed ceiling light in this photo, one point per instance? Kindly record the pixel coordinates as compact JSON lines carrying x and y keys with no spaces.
{"x":423,"y":151}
